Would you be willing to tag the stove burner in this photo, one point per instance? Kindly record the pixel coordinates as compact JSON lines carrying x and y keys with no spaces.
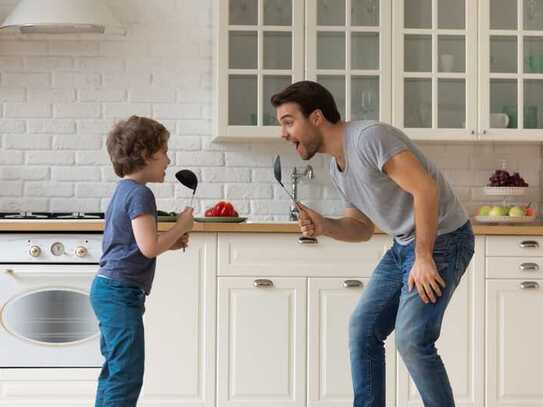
{"x":51,"y":215}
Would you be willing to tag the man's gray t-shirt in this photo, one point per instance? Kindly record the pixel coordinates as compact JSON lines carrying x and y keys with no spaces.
{"x":364,"y":185}
{"x":121,"y":258}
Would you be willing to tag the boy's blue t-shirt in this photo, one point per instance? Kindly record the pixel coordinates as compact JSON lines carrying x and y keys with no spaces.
{"x":121,"y":258}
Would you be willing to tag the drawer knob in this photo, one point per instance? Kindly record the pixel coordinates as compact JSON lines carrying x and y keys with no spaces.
{"x":529,"y":267}
{"x":352,"y":283}
{"x":529,"y":285}
{"x":307,"y":240}
{"x":263,"y":283}
{"x":529,"y":244}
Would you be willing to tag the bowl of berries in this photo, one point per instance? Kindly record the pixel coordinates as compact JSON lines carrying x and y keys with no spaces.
{"x":501,"y":182}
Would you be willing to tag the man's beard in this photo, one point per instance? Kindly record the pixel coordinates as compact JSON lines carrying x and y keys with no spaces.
{"x":312,"y":148}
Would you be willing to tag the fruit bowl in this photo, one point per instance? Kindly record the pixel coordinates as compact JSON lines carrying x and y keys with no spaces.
{"x":506,"y":190}
{"x":505,"y":219}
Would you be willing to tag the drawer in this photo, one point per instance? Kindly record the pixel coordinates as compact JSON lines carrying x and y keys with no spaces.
{"x":514,"y":246}
{"x":253,"y":254}
{"x":526,"y":268}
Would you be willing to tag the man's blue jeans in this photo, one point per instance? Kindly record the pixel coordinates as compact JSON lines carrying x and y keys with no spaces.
{"x":386,"y":305}
{"x":119,"y":308}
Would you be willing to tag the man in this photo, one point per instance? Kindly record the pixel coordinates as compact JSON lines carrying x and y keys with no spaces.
{"x":384,"y":179}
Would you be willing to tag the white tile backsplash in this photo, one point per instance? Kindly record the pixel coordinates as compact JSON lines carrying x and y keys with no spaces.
{"x":59,"y":95}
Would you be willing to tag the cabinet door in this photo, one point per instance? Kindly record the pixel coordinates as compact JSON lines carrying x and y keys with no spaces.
{"x":348,"y":52}
{"x":180,"y":327}
{"x":261,"y":342}
{"x":260,"y":52}
{"x":331,"y":303}
{"x":513,"y":343}
{"x":435,"y":77}
{"x":461,"y":342}
{"x":511,"y":69}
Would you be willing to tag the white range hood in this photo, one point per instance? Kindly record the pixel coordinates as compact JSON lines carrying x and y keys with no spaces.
{"x":62,"y":17}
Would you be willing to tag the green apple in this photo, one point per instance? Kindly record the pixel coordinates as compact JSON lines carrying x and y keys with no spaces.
{"x":498,"y":211}
{"x":516,"y":211}
{"x":484,"y":210}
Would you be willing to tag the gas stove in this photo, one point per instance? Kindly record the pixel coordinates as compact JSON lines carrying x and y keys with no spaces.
{"x":51,"y":215}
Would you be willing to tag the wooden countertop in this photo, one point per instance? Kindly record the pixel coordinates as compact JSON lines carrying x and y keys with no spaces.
{"x":271,"y":227}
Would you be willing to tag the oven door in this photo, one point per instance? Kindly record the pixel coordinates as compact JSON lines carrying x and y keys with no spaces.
{"x":46,"y":319}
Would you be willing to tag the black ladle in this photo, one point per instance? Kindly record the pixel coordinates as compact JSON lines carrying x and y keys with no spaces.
{"x":188,"y":179}
{"x":278,"y":175}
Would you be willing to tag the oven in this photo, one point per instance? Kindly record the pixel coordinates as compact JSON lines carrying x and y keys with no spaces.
{"x":46,"y":319}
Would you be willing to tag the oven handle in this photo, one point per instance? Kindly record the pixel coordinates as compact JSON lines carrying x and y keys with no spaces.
{"x":42,"y":271}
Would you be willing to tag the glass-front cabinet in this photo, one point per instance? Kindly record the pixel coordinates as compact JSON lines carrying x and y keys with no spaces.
{"x":348,"y":51}
{"x":435,"y":63}
{"x":511,"y":65}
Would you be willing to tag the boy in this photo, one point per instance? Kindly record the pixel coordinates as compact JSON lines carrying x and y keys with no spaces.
{"x":138,"y":150}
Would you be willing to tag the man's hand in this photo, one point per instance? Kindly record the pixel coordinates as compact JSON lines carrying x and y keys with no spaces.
{"x":425,"y":277}
{"x":311,"y":222}
{"x":181,"y":243}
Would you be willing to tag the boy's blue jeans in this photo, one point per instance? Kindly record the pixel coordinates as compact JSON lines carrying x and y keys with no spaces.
{"x":119,"y":309}
{"x":386,"y":305}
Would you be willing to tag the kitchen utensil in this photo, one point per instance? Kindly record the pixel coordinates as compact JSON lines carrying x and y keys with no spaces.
{"x":188,"y":179}
{"x":277,"y":174}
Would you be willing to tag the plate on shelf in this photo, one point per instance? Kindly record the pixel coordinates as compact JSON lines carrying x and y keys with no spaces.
{"x":220,"y":219}
{"x":506,"y":190}
{"x":505,"y":219}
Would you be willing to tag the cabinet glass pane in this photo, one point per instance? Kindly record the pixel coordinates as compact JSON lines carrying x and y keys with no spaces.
{"x":418,"y":13}
{"x":503,"y":54}
{"x":243,"y":12}
{"x":242,"y":100}
{"x":452,"y":53}
{"x":503,"y":14}
{"x":451,"y":109}
{"x":533,"y":14}
{"x":503,"y":99}
{"x":365,"y":51}
{"x":272,"y":85}
{"x":452,"y":14}
{"x":336,"y":86}
{"x":365,"y":98}
{"x":418,"y":53}
{"x":277,"y":50}
{"x":330,"y":50}
{"x":418,"y":103}
{"x":533,"y":54}
{"x":277,"y":12}
{"x":243,"y":49}
{"x":365,"y":13}
{"x":330,"y":12}
{"x":533,"y":104}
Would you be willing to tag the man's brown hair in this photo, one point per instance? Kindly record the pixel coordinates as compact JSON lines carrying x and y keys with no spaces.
{"x":133,"y":141}
{"x":309,"y":96}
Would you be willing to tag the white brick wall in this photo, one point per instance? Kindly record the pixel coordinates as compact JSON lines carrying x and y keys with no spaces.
{"x":59,"y":95}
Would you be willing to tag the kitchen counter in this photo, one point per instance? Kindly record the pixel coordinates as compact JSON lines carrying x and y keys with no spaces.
{"x":263,"y":227}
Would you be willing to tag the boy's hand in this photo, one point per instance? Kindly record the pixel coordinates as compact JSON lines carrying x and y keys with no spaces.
{"x":311,"y":222}
{"x":181,"y":243}
{"x":185,"y":220}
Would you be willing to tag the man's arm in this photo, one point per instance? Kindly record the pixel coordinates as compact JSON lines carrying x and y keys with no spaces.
{"x":407,"y":171}
{"x":354,"y":226}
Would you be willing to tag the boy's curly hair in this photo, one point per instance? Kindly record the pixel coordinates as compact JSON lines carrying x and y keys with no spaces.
{"x":133,"y":141}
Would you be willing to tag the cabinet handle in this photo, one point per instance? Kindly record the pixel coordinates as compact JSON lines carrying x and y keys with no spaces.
{"x":529,"y":244}
{"x":352,"y":284}
{"x":263,"y":283}
{"x":529,"y":267}
{"x":484,"y":132}
{"x":307,"y":240}
{"x":525,"y":285}
{"x":472,"y":132}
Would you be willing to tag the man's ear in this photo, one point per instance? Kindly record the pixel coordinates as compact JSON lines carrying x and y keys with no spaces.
{"x":316,"y":117}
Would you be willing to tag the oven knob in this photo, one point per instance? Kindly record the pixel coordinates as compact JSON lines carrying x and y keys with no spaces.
{"x":57,"y":249}
{"x":34,"y":251}
{"x":81,"y":251}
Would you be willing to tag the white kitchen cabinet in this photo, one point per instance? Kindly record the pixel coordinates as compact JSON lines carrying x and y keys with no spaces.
{"x":261,"y":342}
{"x":331,"y":303}
{"x":435,"y":69}
{"x":461,"y":344}
{"x":513,"y":343}
{"x":180,"y":328}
